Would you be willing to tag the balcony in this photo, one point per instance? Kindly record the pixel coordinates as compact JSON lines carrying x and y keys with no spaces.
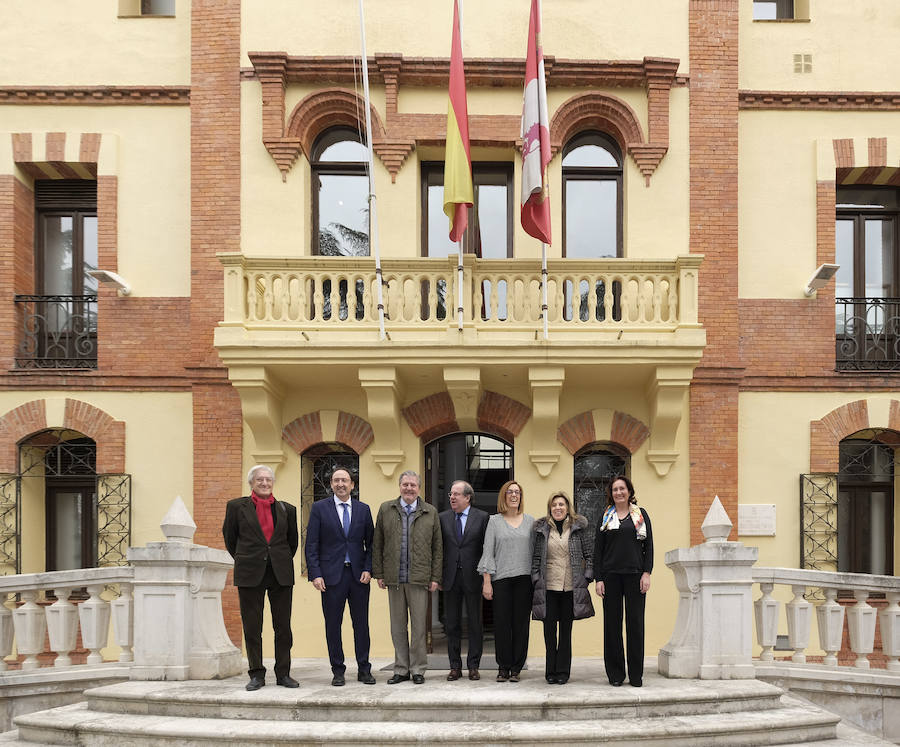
{"x":867,"y":334}
{"x":607,"y":302}
{"x":57,"y":332}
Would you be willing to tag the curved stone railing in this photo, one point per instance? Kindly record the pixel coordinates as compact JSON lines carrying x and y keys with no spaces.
{"x":329,"y":292}
{"x":29,"y":625}
{"x":861,"y":617}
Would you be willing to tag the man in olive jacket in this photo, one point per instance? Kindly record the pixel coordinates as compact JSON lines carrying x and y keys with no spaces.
{"x":407,"y":556}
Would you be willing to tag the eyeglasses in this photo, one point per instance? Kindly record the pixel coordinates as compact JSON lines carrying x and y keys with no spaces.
{"x":513,"y":491}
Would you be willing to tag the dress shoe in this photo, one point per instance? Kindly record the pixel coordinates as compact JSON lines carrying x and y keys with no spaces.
{"x":616,"y":683}
{"x":255,"y":683}
{"x":503,"y":675}
{"x":366,"y":678}
{"x":398,"y":678}
{"x":454,"y":675}
{"x":338,"y":680}
{"x":513,"y":676}
{"x":418,"y":679}
{"x":473,"y":674}
{"x":562,"y":679}
{"x":637,"y":683}
{"x":287,"y":681}
{"x":551,"y":679}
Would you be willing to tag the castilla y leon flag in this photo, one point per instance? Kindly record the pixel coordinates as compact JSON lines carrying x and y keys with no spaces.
{"x":535,"y":136}
{"x":458,"y":195}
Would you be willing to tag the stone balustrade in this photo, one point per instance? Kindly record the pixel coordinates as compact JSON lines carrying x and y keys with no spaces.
{"x":861,"y":617}
{"x":329,"y":292}
{"x":28,"y":625}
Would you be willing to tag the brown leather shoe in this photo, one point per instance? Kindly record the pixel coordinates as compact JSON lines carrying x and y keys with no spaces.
{"x":454,"y":675}
{"x":473,"y":674}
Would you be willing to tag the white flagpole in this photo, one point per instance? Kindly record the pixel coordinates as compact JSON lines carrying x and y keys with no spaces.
{"x":544,"y":289}
{"x":373,"y":212}
{"x":459,"y":244}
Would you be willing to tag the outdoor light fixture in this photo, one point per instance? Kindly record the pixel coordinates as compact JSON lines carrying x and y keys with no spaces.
{"x":117,"y":281}
{"x":820,"y":278}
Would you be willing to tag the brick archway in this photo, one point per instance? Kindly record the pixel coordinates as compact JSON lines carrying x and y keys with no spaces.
{"x":31,"y":417}
{"x":826,"y":434}
{"x":498,"y":415}
{"x":332,"y":107}
{"x":582,"y":429}
{"x":307,"y":430}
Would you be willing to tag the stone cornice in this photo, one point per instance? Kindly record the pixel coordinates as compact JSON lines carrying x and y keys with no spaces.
{"x":491,"y":72}
{"x":820,"y":100}
{"x":165,"y":95}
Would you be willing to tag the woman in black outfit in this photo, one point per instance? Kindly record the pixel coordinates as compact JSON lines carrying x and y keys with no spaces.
{"x":623,"y":561}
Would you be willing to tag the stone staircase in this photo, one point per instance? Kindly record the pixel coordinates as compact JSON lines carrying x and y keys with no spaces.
{"x":585,"y":711}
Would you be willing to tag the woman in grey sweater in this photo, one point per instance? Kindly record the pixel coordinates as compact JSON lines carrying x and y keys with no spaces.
{"x":506,"y":567}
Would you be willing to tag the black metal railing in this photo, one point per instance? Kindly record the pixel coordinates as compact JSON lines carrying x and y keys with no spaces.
{"x":57,"y":332}
{"x":867,"y":334}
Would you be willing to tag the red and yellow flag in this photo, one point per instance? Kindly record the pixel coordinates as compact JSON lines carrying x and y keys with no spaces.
{"x":458,"y":193}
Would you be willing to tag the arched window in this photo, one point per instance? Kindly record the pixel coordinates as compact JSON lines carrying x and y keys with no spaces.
{"x":866,"y":502}
{"x":595,"y":466}
{"x":592,"y":197}
{"x":340,"y":189}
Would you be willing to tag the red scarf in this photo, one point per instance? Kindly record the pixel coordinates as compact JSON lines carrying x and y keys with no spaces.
{"x":264,"y":514}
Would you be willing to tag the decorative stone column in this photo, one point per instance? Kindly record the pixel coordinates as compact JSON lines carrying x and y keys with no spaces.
{"x":179,"y":631}
{"x":713,"y":634}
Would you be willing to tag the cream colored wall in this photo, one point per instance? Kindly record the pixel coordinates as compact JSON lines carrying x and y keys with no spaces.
{"x":773,"y":429}
{"x":623,"y":30}
{"x":665,"y":498}
{"x":853,"y":47}
{"x":85,"y":43}
{"x":777,"y":176}
{"x":153,"y":170}
{"x":158,"y":431}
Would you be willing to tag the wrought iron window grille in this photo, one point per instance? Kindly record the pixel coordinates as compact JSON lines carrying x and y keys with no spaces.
{"x":57,"y":331}
{"x":867,"y":332}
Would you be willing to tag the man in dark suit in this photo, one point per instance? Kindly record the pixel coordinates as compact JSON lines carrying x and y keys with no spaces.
{"x":462,"y":527}
{"x":261,"y":535}
{"x":339,"y":564}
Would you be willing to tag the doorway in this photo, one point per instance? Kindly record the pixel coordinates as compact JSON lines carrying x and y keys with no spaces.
{"x":485,"y":462}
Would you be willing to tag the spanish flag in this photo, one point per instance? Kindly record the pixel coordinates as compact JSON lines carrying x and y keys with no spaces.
{"x":458,"y":194}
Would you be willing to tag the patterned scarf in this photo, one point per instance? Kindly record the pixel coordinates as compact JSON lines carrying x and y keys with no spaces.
{"x":611,"y":520}
{"x":264,"y":514}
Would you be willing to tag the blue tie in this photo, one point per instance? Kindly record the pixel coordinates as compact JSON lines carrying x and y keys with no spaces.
{"x":345,"y":519}
{"x":459,"y":527}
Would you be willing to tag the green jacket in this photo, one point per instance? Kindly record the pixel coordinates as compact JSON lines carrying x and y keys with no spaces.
{"x":426,"y":550}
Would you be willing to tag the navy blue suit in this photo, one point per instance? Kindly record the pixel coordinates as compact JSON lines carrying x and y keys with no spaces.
{"x":327,"y":553}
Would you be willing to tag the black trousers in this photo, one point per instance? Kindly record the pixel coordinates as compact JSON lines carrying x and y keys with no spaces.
{"x":623,"y":587}
{"x":512,"y":616}
{"x":453,"y":602}
{"x":558,"y":633}
{"x":252,"y":599}
{"x":335,"y":597}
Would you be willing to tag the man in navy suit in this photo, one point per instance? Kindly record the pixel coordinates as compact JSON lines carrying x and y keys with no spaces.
{"x":462,"y":527}
{"x":339,"y":564}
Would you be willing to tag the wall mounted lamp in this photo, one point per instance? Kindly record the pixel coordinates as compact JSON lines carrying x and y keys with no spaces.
{"x":820,"y":278}
{"x":113,"y":279}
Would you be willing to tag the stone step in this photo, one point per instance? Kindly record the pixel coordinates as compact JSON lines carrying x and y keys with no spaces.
{"x":77,"y":724}
{"x":590,"y":698}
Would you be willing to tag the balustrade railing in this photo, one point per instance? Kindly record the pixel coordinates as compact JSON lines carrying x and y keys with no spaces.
{"x":325,"y":292}
{"x":867,"y":334}
{"x":57,"y":331}
{"x":38,"y":607}
{"x":799,"y":611}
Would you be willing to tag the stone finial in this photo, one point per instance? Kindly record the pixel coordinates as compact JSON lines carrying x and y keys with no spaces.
{"x":177,"y":524}
{"x":716,"y":526}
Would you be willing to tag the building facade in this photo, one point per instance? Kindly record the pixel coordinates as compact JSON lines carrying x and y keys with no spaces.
{"x":709,"y":157}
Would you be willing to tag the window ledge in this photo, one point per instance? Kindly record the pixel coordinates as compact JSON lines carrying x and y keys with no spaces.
{"x":140,"y":15}
{"x":781,"y":20}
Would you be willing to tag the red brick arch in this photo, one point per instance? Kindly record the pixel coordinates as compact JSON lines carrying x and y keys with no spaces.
{"x":825,"y":435}
{"x":306,"y":431}
{"x":31,"y":417}
{"x":331,"y":107}
{"x":434,"y":416}
{"x":596,"y":111}
{"x":579,"y":431}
